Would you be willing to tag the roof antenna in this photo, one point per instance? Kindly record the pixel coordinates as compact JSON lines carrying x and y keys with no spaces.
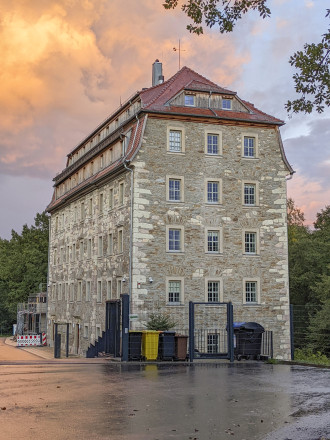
{"x":179,"y":50}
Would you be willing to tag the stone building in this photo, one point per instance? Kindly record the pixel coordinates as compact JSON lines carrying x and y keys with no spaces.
{"x":179,"y":195}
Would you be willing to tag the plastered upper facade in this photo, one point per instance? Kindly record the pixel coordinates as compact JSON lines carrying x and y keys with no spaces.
{"x":179,"y":196}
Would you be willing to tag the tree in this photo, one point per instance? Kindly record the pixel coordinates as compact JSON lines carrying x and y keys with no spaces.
{"x":312,"y":79}
{"x":322,"y":222}
{"x":218,"y":12}
{"x":23,"y":266}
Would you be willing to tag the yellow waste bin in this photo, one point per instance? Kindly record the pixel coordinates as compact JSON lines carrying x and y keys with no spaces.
{"x":150,"y":340}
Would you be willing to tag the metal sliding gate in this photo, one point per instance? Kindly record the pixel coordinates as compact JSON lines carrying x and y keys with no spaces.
{"x":211,"y":333}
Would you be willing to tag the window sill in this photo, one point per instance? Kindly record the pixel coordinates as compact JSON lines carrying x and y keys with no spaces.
{"x":175,"y":201}
{"x":213,"y":204}
{"x":213,"y":253}
{"x":178,"y":153}
{"x":252,"y":304}
{"x":175,"y":252}
{"x":250,"y":206}
{"x":213,"y":155}
{"x":251,"y":255}
{"x":250,"y":158}
{"x":175,"y":304}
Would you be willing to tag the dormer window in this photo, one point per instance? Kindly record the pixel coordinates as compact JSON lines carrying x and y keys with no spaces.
{"x":226,"y":104}
{"x":189,"y":100}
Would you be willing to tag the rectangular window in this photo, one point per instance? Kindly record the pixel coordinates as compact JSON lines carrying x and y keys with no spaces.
{"x":66,"y":290}
{"x":251,"y":292}
{"x":189,"y":100}
{"x":213,"y":241}
{"x":61,"y":255}
{"x":226,"y":104}
{"x":73,"y":252}
{"x":174,"y":292}
{"x":120,"y":241}
{"x":99,"y":291}
{"x":100,"y":246}
{"x":213,"y":343}
{"x":89,"y":248}
{"x":55,"y":257}
{"x":213,"y":291}
{"x":98,"y":331}
{"x":212,"y":192}
{"x":82,"y":211}
{"x":90,"y":207}
{"x":79,"y":291}
{"x":249,"y":147}
{"x":249,"y":194}
{"x":109,"y":290}
{"x":59,"y":292}
{"x":119,"y":288}
{"x":86,"y":331}
{"x":174,"y":190}
{"x":174,"y":240}
{"x":110,"y":244}
{"x":111,"y":199}
{"x":81,"y":250}
{"x":71,"y":293}
{"x":88,"y":290}
{"x":121,"y":193}
{"x":212,"y":143}
{"x":175,"y":141}
{"x":101,"y":203}
{"x":250,"y":242}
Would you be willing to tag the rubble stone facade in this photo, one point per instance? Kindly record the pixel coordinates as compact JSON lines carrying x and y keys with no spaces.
{"x":192,"y":207}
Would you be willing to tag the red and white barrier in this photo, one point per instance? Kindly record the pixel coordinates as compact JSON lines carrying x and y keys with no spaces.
{"x":31,"y":340}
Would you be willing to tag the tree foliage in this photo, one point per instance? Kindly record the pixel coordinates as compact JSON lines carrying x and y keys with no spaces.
{"x":312,"y":78}
{"x":23,"y":266}
{"x":309,"y":269}
{"x":223,"y":13}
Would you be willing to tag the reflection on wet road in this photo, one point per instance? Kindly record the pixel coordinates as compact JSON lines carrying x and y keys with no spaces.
{"x":149,"y":402}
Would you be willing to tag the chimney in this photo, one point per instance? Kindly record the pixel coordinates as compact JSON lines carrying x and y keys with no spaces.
{"x":157,"y":73}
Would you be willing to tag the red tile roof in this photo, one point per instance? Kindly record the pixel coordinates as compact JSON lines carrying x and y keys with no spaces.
{"x":156,"y":99}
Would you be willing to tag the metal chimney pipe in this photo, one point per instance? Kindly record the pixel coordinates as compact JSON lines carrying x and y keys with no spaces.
{"x":157,"y":73}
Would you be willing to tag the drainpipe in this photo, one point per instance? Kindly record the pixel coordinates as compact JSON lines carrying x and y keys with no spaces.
{"x":126,"y":163}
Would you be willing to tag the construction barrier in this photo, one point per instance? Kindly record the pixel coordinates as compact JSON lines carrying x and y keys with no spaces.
{"x":31,"y":340}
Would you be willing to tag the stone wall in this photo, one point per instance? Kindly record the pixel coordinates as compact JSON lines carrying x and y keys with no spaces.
{"x":153,"y":215}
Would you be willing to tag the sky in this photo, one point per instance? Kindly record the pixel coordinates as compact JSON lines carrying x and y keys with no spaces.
{"x":67,"y":64}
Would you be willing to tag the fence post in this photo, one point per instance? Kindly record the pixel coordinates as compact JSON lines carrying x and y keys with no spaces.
{"x":230,"y":326}
{"x":291,"y":332}
{"x":125,"y":327}
{"x":67,"y":340}
{"x":191,"y":331}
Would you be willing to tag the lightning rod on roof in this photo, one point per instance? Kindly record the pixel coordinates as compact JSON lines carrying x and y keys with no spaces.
{"x":179,"y":50}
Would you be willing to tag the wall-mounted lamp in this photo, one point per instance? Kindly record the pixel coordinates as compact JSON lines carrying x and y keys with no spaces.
{"x":124,"y":280}
{"x":151,"y":280}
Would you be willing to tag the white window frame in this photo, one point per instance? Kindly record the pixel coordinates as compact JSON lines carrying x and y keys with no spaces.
{"x":257,"y":241}
{"x":175,"y":279}
{"x":226,"y":100}
{"x":213,"y":133}
{"x":219,"y":182}
{"x":258,"y":296}
{"x":181,"y":229}
{"x":213,"y":280}
{"x":256,"y":195}
{"x":86,"y":331}
{"x":180,"y":129}
{"x":181,"y":180}
{"x":119,"y":286}
{"x":220,"y":235}
{"x":256,"y":145}
{"x":186,"y":103}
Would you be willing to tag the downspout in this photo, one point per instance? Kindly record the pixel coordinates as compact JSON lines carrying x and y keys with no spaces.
{"x":126,"y":163}
{"x":48,"y":289}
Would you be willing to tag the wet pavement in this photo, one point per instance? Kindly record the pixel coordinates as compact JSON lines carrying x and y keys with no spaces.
{"x":247,"y":400}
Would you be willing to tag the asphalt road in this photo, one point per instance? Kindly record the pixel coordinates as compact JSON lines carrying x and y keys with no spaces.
{"x":80,"y":400}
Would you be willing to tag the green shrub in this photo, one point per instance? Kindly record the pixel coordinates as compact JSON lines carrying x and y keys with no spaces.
{"x":160,"y":321}
{"x":307,"y":355}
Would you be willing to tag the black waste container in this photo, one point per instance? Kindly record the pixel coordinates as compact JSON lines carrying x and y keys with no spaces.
{"x":166,"y":349}
{"x":57,"y":346}
{"x":247,"y":340}
{"x":134,"y":345}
